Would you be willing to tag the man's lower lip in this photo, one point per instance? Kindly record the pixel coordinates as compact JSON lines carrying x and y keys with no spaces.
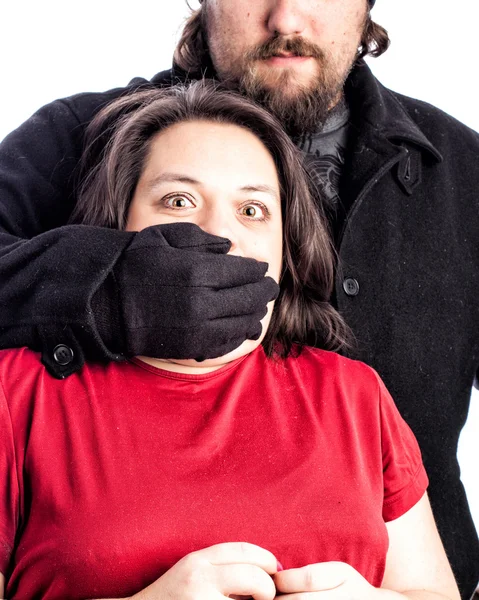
{"x":284,"y":61}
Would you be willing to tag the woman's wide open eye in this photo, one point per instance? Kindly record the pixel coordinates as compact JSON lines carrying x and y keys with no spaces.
{"x":255,"y":211}
{"x":179,"y":201}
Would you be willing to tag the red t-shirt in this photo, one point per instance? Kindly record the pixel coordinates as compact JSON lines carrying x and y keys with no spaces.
{"x":109,"y":477}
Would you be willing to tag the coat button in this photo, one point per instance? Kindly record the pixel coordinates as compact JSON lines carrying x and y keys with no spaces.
{"x":351,"y":286}
{"x":63,"y":355}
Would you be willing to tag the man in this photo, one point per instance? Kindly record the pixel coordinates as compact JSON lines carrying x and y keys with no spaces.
{"x":401,"y":187}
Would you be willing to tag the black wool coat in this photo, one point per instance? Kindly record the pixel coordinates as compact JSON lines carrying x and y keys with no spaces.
{"x":408,"y":284}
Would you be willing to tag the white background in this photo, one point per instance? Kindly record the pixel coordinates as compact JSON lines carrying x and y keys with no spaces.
{"x":50,"y":49}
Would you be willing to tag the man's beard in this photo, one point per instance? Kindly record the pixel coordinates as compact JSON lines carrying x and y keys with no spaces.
{"x":305,"y":107}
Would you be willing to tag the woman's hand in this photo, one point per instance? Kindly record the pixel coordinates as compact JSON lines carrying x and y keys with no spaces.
{"x":221,"y":571}
{"x":335,"y":581}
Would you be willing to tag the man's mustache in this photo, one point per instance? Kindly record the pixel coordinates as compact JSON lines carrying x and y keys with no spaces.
{"x":297,"y":46}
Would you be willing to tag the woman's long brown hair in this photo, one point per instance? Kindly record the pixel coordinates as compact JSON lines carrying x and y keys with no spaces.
{"x":117,"y":145}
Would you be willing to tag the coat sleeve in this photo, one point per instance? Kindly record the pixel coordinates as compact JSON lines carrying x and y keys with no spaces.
{"x":49,"y":272}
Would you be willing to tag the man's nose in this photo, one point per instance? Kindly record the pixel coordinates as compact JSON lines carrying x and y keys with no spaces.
{"x":286,"y":17}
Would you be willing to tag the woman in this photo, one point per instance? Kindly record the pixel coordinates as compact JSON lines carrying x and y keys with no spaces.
{"x":177,"y":479}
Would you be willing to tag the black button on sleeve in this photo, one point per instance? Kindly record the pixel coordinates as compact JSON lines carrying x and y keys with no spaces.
{"x":351,"y":286}
{"x":63,"y":355}
{"x":64,"y":358}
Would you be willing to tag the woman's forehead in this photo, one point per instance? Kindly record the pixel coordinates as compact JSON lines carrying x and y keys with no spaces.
{"x":210,"y":152}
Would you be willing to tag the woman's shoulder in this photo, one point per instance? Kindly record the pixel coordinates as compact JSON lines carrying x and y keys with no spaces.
{"x":23,"y":374}
{"x":20,"y":375}
{"x":20,"y":370}
{"x":15,"y":359}
{"x":334,"y":364}
{"x":333,"y":375}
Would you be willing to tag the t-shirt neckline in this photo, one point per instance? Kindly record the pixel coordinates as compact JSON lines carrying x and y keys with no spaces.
{"x":158,"y":371}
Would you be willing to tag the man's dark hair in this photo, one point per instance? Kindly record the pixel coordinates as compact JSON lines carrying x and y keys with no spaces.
{"x":192,"y":54}
{"x":117,"y":146}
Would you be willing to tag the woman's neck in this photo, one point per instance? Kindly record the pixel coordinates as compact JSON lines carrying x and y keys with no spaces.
{"x":189,"y":367}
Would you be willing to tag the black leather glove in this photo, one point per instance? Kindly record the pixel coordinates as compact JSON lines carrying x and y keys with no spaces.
{"x":181,"y":296}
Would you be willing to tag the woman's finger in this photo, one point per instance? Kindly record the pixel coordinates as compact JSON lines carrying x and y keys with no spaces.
{"x":245,"y":580}
{"x":238,"y":553}
{"x":318,"y":577}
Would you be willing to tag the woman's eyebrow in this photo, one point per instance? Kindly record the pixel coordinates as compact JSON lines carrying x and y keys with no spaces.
{"x":261,"y":187}
{"x":172,"y":178}
{"x":182,"y":178}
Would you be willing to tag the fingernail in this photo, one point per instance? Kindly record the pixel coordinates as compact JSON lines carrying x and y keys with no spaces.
{"x":279,"y":566}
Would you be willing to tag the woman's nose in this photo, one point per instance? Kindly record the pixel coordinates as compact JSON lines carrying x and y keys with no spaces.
{"x":224,"y":226}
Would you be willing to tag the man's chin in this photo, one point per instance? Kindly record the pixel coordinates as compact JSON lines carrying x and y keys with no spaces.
{"x":290,"y":78}
{"x":299,"y":100}
{"x":288,"y":90}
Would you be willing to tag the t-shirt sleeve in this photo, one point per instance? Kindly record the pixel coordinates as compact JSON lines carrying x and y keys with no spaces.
{"x":9,"y":494}
{"x":404,"y":476}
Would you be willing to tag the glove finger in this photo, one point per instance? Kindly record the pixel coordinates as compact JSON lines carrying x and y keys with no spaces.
{"x":198,"y":305}
{"x":256,"y":330}
{"x":185,"y":269}
{"x":247,"y":299}
{"x":181,"y":236}
{"x":208,"y":340}
{"x":253,"y":331}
